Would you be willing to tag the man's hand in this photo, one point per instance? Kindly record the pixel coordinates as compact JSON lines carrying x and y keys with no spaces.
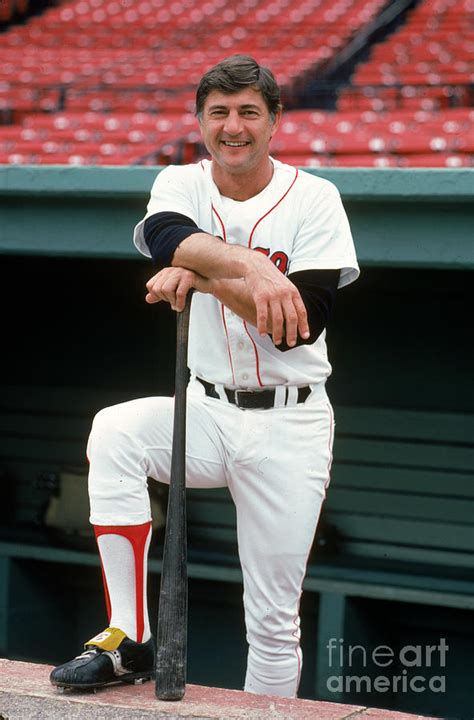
{"x":172,"y":285}
{"x":279,"y":308}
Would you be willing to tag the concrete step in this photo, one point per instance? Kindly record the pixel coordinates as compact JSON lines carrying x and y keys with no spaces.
{"x":26,"y":694}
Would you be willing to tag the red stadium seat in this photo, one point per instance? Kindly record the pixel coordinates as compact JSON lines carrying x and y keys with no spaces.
{"x":379,"y":161}
{"x":435,"y":160}
{"x":124,"y":75}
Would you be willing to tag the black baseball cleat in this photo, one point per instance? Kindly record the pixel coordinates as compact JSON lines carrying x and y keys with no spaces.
{"x":109,"y":658}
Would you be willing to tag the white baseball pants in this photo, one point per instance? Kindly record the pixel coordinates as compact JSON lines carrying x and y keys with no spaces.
{"x":276,"y":464}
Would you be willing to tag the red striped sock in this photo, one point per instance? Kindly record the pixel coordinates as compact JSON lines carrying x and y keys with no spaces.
{"x":123,"y":552}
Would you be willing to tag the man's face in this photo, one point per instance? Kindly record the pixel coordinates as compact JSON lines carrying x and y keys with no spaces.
{"x":236,"y":129}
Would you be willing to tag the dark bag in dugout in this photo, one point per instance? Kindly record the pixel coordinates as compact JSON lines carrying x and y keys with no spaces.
{"x":67,"y":512}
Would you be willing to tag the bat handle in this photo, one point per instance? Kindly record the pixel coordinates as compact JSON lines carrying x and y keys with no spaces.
{"x":182,"y":331}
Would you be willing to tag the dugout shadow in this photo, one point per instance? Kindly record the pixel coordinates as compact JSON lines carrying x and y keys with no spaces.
{"x":399,"y":339}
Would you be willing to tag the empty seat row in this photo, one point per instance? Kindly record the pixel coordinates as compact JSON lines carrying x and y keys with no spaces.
{"x":110,"y":122}
{"x":410,"y":97}
{"x":356,"y":143}
{"x":157,"y":158}
{"x":441,"y":160}
{"x":428,"y":61}
{"x":302,"y":133}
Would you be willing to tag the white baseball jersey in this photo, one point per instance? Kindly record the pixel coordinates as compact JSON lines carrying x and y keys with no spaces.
{"x":276,"y":462}
{"x":299,"y":222}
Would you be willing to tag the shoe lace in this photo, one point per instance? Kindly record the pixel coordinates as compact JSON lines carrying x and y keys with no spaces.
{"x":88,"y":653}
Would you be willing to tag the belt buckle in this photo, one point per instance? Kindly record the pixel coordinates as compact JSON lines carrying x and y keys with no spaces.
{"x":254,"y":399}
{"x":236,"y":397}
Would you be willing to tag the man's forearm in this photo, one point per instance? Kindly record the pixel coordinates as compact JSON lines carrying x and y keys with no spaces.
{"x":212,"y":258}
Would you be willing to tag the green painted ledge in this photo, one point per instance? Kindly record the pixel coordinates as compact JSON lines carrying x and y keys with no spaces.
{"x":456,"y":185}
{"x":400,"y":218}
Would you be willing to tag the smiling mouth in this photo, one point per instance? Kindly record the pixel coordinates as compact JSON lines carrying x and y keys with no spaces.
{"x":230,"y":143}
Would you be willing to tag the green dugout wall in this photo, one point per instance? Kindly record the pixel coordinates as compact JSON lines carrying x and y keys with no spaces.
{"x":394,"y":561}
{"x":419,"y":218}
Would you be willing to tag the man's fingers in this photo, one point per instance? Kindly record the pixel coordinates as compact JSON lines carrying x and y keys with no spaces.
{"x":154,"y":286}
{"x":171,"y":285}
{"x":180,"y":297}
{"x":154,"y":294}
{"x":150,"y":282}
{"x":291,"y":322}
{"x":150,"y":298}
{"x":261,"y":311}
{"x":277,"y":327}
{"x":303,"y":325}
{"x":283,"y":315}
{"x":154,"y":283}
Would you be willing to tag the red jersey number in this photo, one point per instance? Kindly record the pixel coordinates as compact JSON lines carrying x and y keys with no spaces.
{"x":278,"y":258}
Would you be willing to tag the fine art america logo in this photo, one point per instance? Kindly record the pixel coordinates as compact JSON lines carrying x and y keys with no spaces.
{"x":382,"y":669}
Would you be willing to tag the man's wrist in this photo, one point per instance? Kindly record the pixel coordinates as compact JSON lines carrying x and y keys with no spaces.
{"x":245,"y":261}
{"x":202,"y":284}
{"x":216,"y":287}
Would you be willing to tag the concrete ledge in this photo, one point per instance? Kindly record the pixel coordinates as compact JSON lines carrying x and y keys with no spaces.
{"x":25,"y":692}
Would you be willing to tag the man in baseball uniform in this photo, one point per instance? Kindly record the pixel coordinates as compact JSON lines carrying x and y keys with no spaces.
{"x":265,"y":246}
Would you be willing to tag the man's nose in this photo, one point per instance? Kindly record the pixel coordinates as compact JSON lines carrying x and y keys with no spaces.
{"x":233,"y":123}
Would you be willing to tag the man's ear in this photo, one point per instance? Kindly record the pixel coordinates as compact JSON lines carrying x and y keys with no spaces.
{"x":276,"y":123}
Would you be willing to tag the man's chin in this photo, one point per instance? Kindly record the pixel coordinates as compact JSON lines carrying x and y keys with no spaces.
{"x":234,"y":164}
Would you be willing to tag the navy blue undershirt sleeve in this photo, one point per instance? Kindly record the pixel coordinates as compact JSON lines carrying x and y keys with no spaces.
{"x":318,"y":292}
{"x":163,"y":232}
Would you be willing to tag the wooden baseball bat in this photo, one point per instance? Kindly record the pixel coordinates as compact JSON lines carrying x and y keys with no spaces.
{"x":170,"y":682}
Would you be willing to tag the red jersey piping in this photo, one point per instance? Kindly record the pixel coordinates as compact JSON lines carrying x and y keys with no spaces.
{"x":272,"y":208}
{"x":257,"y":359}
{"x":224,"y":235}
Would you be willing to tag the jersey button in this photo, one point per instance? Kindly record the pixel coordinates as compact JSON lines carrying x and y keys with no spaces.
{"x":240,"y":345}
{"x":245,"y":376}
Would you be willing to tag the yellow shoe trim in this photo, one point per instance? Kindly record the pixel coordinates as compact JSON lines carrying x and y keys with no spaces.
{"x":109,"y":639}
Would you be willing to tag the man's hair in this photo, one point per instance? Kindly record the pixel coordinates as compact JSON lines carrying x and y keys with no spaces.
{"x":236,"y":73}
